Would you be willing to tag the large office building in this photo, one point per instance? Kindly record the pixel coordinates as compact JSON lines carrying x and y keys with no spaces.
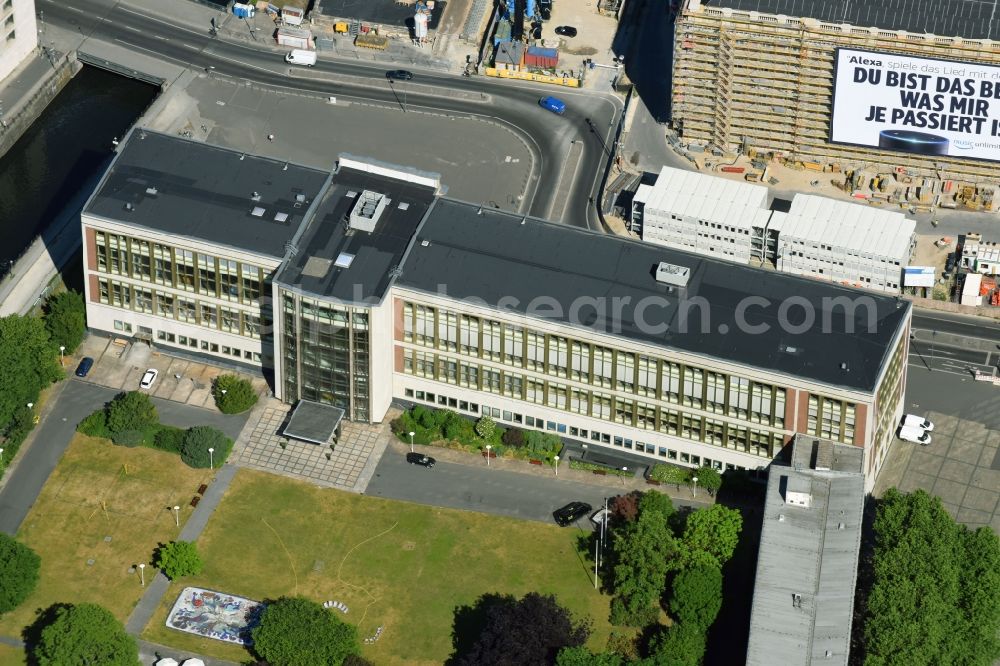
{"x":762,"y":75}
{"x":365,"y":285}
{"x":18,"y":34}
{"x":815,"y":236}
{"x":803,"y":600}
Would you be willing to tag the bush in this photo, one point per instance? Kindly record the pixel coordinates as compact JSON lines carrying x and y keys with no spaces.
{"x":486,"y":427}
{"x":129,"y":438}
{"x":66,"y":320}
{"x":233,"y":394}
{"x":621,"y":616}
{"x":131,"y":411}
{"x":177,"y":559}
{"x":18,"y":572}
{"x":197,"y":441}
{"x":514,"y":438}
{"x":169,"y":439}
{"x":594,"y":467}
{"x":708,"y":478}
{"x":672,"y":474}
{"x":95,"y":425}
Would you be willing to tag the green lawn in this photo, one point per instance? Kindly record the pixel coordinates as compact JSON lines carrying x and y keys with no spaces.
{"x":399,"y":565}
{"x":11,"y":656}
{"x":99,"y":490}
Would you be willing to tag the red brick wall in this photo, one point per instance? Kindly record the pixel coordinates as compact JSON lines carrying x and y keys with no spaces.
{"x":397,"y":321}
{"x":95,"y":290}
{"x":398,"y":356}
{"x":91,"y":247}
{"x":860,"y":424}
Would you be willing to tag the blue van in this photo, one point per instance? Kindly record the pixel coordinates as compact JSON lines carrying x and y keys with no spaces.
{"x":553,"y":104}
{"x":84,"y":367}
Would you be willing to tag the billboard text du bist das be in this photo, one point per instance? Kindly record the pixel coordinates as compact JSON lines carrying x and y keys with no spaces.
{"x":916,"y":105}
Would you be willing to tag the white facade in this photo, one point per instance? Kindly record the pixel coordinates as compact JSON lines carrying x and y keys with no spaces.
{"x":818,"y":237}
{"x":18,"y":34}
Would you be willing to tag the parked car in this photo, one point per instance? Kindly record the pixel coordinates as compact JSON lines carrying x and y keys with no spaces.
{"x":553,"y":104}
{"x":566,"y":31}
{"x":915,"y":435}
{"x":420,"y":459}
{"x":86,"y":363}
{"x":914,"y":421}
{"x":399,"y":75}
{"x":148,"y":378}
{"x":571,"y":513}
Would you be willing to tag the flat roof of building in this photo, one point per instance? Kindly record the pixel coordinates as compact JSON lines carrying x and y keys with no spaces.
{"x":803,"y":600}
{"x":847,"y":227}
{"x":706,"y":197}
{"x":577,"y":277}
{"x":972,"y":19}
{"x":346,"y":264}
{"x":204,"y":193}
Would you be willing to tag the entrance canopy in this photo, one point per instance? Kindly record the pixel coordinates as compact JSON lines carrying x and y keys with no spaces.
{"x":314,"y":422}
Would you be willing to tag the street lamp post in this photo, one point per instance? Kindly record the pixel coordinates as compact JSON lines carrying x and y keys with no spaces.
{"x":30,"y":405}
{"x":596,"y":556}
{"x":694,"y":486}
{"x":211,"y":458}
{"x":177,"y":515}
{"x":142,"y":575}
{"x":62,"y":350}
{"x":556,"y":458}
{"x":624,"y":469}
{"x":411,"y":434}
{"x":489,"y":447}
{"x":1,"y":457}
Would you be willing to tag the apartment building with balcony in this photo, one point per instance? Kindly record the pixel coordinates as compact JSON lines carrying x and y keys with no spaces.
{"x":379,"y":289}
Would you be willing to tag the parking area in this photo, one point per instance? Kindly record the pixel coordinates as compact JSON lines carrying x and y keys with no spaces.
{"x":594,"y":32}
{"x":961,"y":466}
{"x":120,"y":364}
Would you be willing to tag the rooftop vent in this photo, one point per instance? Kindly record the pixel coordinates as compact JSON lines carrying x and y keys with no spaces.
{"x":344,"y":260}
{"x":840,"y":526}
{"x":351,"y":194}
{"x":129,"y":206}
{"x":403,"y":205}
{"x":257,"y":211}
{"x":368,"y":210}
{"x":281,"y":217}
{"x":781,"y":517}
{"x":255,"y":196}
{"x":300,"y":200}
{"x":243,"y":156}
{"x":843,"y":366}
{"x":151,"y":191}
{"x":425,"y":243}
{"x":796,"y":600}
{"x":798,"y":491}
{"x":672,"y":274}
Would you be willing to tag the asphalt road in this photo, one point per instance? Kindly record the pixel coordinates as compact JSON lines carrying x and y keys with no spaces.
{"x":53,"y":434}
{"x":976,"y":327}
{"x":483,"y":489}
{"x":513,"y":104}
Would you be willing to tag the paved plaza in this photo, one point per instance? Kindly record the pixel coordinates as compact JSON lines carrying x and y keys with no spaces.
{"x":961,"y":466}
{"x":348,"y":465}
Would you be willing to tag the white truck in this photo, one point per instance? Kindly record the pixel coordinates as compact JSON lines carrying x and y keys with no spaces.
{"x":301,"y":57}
{"x":915,"y":435}
{"x":914,"y":421}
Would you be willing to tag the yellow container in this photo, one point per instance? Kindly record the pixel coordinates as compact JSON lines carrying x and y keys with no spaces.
{"x":340,"y":27}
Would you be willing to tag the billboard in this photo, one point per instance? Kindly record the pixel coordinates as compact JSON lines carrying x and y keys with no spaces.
{"x":918,"y":276}
{"x":916,"y":105}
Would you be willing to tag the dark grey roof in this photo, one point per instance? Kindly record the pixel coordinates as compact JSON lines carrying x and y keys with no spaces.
{"x":972,"y":19}
{"x":205,"y":192}
{"x":373,"y":256}
{"x":313,"y":422}
{"x":803,"y":600}
{"x":550,"y":271}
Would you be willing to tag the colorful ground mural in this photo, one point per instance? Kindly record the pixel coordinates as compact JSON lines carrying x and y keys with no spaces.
{"x":224,"y":617}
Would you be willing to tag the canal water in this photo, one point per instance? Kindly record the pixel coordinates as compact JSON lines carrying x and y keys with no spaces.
{"x":66,"y":146}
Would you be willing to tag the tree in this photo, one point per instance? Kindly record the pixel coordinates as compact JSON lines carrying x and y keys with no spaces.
{"x":18,"y":572}
{"x":656,"y":502}
{"x":581,"y":656}
{"x":710,"y":536}
{"x":486,"y":427}
{"x":28,"y":363}
{"x":935,"y":586}
{"x":709,"y":479}
{"x":131,"y":411}
{"x":81,"y":635}
{"x":198,"y":440}
{"x":625,"y":508}
{"x":679,"y":645}
{"x":66,"y":319}
{"x":233,"y":394}
{"x":177,"y":559}
{"x":528,"y":631}
{"x":696,"y":597}
{"x":642,"y":551}
{"x":294,"y":631}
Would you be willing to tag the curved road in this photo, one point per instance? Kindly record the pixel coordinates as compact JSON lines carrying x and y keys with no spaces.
{"x":589,"y":119}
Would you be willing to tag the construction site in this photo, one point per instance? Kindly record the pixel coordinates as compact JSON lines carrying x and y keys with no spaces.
{"x":757,"y":90}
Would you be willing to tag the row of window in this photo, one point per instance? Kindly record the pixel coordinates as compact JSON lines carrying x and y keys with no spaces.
{"x":582,"y":362}
{"x":150,"y":301}
{"x":193,"y":343}
{"x":179,"y":269}
{"x":561,"y":428}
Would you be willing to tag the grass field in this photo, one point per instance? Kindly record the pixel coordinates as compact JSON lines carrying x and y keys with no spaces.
{"x":11,"y":656}
{"x":91,"y":496}
{"x":398,"y":565}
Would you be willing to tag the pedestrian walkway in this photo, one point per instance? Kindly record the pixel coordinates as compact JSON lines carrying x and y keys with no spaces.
{"x":192,"y":529}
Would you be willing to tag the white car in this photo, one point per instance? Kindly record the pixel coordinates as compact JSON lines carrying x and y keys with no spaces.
{"x":914,"y":421}
{"x":915,"y":435}
{"x":148,"y":378}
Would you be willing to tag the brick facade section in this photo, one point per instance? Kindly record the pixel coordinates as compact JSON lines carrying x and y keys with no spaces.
{"x":397,"y":321}
{"x":860,"y":424}
{"x":398,"y":357}
{"x":95,"y":289}
{"x":90,"y":246}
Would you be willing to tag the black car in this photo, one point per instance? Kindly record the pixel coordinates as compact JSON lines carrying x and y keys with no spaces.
{"x":420,"y":459}
{"x":399,"y":75}
{"x":85,"y":364}
{"x":571,"y":513}
{"x":544,"y":9}
{"x":566,"y":31}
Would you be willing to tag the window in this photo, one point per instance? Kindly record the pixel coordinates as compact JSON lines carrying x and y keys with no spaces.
{"x":165,"y":305}
{"x":448,"y":371}
{"x":624,"y":411}
{"x":713,"y":432}
{"x":425,"y":317}
{"x":469,"y":376}
{"x":143,"y":300}
{"x":760,"y":403}
{"x":646,"y":384}
{"x":557,"y":396}
{"x":694,"y":385}
{"x":580,"y":361}
{"x":469,"y":336}
{"x":558,"y":356}
{"x":669,"y":422}
{"x":602,"y":367}
{"x":536,"y":351}
{"x":670,"y":382}
{"x":491,"y":340}
{"x":491,"y":381}
{"x":513,"y":346}
{"x":447,"y":331}
{"x":579,"y":402}
{"x":691,"y":426}
{"x":230,"y":320}
{"x":646,"y":417}
{"x":185,"y":269}
{"x":739,"y":397}
{"x":601,"y":406}
{"x":536,"y":391}
{"x":209,"y":316}
{"x":715,"y":392}
{"x":424,"y":364}
{"x":625,"y":372}
{"x":250,"y":280}
{"x":513,"y":385}
{"x":408,"y":322}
